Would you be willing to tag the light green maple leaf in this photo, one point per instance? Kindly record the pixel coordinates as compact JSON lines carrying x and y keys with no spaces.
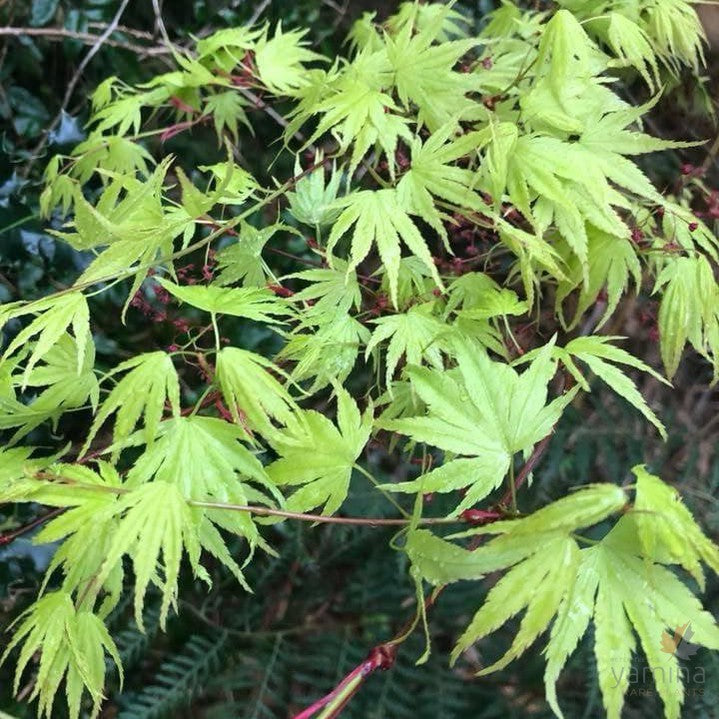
{"x":424,"y":75}
{"x":355,"y":106}
{"x":611,"y":262}
{"x":613,"y":581}
{"x":226,"y":48}
{"x":65,"y":389}
{"x":688,"y":311}
{"x":432,"y":174}
{"x":326,"y":348}
{"x":312,"y":201}
{"x":483,"y":411}
{"x":203,"y":456}
{"x":280,"y":60}
{"x":319,"y":456}
{"x":55,"y":315}
{"x":441,"y":20}
{"x":142,"y":392}
{"x":602,"y":357}
{"x":667,"y":531}
{"x":332,"y":290}
{"x":71,"y":644}
{"x":416,"y":334}
{"x":379,"y":218}
{"x":253,"y":303}
{"x":227,"y":110}
{"x":242,"y":260}
{"x":252,"y":393}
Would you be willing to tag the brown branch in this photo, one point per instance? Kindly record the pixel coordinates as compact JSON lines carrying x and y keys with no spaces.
{"x":10,"y":537}
{"x":382,"y":656}
{"x":528,"y":467}
{"x":320,"y":518}
{"x":125,"y":30}
{"x":258,"y":12}
{"x":87,"y":38}
{"x":263,"y":511}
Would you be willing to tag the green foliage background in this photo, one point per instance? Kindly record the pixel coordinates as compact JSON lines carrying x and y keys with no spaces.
{"x":332,"y":593}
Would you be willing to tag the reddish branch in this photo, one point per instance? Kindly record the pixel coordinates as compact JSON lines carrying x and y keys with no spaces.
{"x":382,"y":657}
{"x":528,"y":467}
{"x":10,"y":537}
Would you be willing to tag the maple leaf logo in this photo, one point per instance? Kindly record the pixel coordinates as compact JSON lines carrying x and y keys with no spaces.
{"x":678,"y":643}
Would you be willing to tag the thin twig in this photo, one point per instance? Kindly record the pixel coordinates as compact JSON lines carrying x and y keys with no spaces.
{"x":125,"y":30}
{"x":258,"y":12}
{"x":529,"y":465}
{"x":88,"y":38}
{"x":360,"y":521}
{"x":73,"y":82}
{"x":260,"y":104}
{"x":161,"y":23}
{"x":262,"y":511}
{"x":10,"y":537}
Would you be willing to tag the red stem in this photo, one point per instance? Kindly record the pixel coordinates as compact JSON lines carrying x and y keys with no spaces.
{"x":529,"y":465}
{"x":327,"y":698}
{"x":380,"y":657}
{"x":10,"y":537}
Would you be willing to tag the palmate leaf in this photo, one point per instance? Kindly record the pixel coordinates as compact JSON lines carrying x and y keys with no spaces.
{"x":423,"y":74}
{"x":354,"y":105}
{"x":379,"y":218}
{"x":313,"y":200}
{"x":227,"y":47}
{"x":416,"y":334}
{"x":615,"y":581}
{"x":545,"y":168}
{"x":565,"y":55}
{"x":534,"y":584}
{"x":255,"y":397}
{"x":204,"y":457}
{"x":232,"y":184}
{"x":227,"y":110}
{"x":110,"y":153}
{"x":433,"y":174}
{"x":320,"y":456}
{"x":612,"y":261}
{"x":632,"y":46}
{"x":280,"y":60}
{"x":65,"y":389}
{"x":441,"y":19}
{"x":253,"y":303}
{"x":156,"y":525}
{"x":477,"y":296}
{"x":483,"y":411}
{"x":154,"y":521}
{"x":333,"y":291}
{"x":666,"y":529}
{"x":242,"y":261}
{"x":602,"y":357}
{"x":84,"y":531}
{"x":132,"y":224}
{"x":325,"y":348}
{"x":653,"y":599}
{"x":142,"y":392}
{"x":71,"y":643}
{"x":677,"y":32}
{"x":55,"y":316}
{"x":688,"y":311}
